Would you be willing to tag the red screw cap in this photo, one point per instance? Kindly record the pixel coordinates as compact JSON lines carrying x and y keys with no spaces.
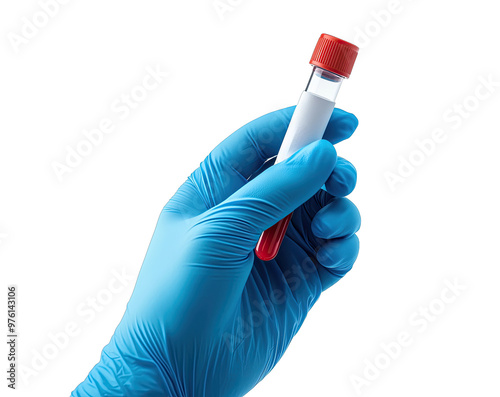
{"x":335,"y":55}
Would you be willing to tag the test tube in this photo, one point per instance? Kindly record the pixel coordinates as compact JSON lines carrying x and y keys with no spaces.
{"x":332,"y":60}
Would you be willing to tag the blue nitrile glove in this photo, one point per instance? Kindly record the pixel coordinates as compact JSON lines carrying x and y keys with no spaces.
{"x":207,"y":317}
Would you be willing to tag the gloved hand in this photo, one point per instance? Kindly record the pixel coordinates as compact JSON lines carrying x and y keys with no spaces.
{"x":207,"y":317}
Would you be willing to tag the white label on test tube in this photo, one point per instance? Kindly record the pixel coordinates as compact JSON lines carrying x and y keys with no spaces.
{"x":308,"y":124}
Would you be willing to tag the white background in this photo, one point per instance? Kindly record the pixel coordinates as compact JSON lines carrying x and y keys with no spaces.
{"x":60,"y":240}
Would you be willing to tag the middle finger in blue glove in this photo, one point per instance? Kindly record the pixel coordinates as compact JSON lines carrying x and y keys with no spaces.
{"x":342,"y":180}
{"x":340,"y":218}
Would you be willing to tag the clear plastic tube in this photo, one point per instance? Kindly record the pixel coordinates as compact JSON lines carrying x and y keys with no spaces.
{"x":333,"y":60}
{"x":324,"y":83}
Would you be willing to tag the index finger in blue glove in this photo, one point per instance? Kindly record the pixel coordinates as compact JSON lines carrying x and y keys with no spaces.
{"x":254,"y":143}
{"x":269,"y":197}
{"x":232,"y":162}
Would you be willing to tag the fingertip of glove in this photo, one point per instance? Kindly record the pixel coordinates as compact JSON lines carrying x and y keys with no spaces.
{"x":343,"y":123}
{"x":348,"y":118}
{"x":342,"y":181}
{"x":319,"y":153}
{"x":338,"y":219}
{"x":325,"y":152}
{"x":339,"y":255}
{"x":354,"y":121}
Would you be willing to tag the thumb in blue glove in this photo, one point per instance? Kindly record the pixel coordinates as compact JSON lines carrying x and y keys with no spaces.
{"x":207,"y":317}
